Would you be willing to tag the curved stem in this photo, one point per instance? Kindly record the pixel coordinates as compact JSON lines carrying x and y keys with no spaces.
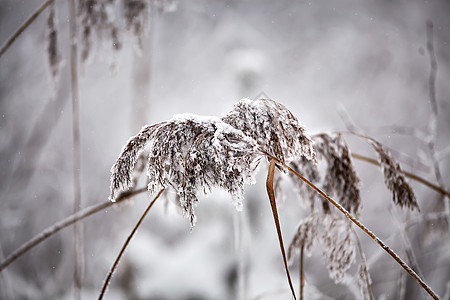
{"x":273,"y":204}
{"x":122,"y":251}
{"x":49,"y":231}
{"x":24,"y":26}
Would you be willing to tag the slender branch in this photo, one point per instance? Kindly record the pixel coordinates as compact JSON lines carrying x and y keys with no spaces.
{"x":407,"y":174}
{"x":273,"y":204}
{"x":49,"y":231}
{"x":122,"y":251}
{"x":367,"y":231}
{"x":24,"y":26}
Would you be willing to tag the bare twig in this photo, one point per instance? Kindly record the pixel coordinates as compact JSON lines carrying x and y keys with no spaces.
{"x":49,"y":231}
{"x":116,"y":262}
{"x":24,"y":26}
{"x":368,"y":232}
{"x":273,"y":204}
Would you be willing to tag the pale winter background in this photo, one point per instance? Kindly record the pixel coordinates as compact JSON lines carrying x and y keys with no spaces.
{"x":331,"y":63}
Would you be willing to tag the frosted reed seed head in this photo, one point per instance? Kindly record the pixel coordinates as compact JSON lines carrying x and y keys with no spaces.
{"x":53,"y":52}
{"x":338,"y":245}
{"x":122,"y":170}
{"x":340,"y":178}
{"x":309,"y":170}
{"x":135,"y":14}
{"x":191,"y":154}
{"x":97,"y":20}
{"x":305,"y":235}
{"x":402,"y":193}
{"x":276,"y":130}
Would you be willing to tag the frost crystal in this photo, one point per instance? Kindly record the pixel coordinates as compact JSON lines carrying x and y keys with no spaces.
{"x":190,"y":153}
{"x":276,"y":130}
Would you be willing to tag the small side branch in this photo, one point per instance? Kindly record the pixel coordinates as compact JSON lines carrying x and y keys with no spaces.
{"x":122,"y":251}
{"x":24,"y":26}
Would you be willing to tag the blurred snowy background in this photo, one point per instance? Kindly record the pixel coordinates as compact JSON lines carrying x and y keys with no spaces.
{"x":328,"y":62}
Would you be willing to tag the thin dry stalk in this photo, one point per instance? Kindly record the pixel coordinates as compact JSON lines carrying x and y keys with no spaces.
{"x":78,"y":229}
{"x":365,"y":281}
{"x":24,"y":26}
{"x":432,"y":126}
{"x":49,"y":231}
{"x":273,"y":204}
{"x":368,"y":232}
{"x":302,"y":273}
{"x":122,"y":251}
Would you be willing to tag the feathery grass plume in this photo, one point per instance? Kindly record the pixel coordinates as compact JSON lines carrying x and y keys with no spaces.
{"x":340,"y":178}
{"x":305,"y":236}
{"x":394,"y":178}
{"x":122,"y":170}
{"x":53,"y":52}
{"x":276,"y":130}
{"x":135,"y":13}
{"x":191,"y":153}
{"x":96,"y":19}
{"x":309,"y":170}
{"x":338,"y":245}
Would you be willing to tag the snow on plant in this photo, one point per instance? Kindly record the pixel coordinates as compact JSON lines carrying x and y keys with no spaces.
{"x":193,"y":154}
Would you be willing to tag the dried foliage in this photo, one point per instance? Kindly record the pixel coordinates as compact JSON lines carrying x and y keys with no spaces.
{"x":340,"y":178}
{"x":402,"y":193}
{"x":135,"y":13}
{"x":333,"y":234}
{"x":276,"y":130}
{"x":96,"y":18}
{"x":309,"y":170}
{"x":339,"y":247}
{"x":191,"y":153}
{"x":305,"y":236}
{"x":53,"y":52}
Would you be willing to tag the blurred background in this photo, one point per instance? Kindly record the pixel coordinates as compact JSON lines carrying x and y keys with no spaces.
{"x":343,"y":65}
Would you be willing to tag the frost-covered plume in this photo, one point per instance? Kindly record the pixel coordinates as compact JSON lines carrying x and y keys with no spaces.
{"x":339,"y":247}
{"x":190,"y":154}
{"x":394,"y":178}
{"x":276,"y":130}
{"x":193,"y":154}
{"x":340,"y":178}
